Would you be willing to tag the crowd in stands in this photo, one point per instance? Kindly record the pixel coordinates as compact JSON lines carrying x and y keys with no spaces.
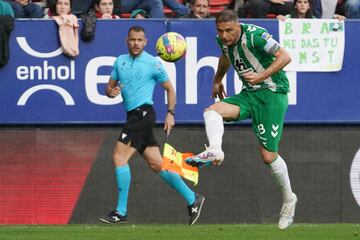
{"x":67,"y":12}
{"x":304,"y":9}
{"x":114,"y":9}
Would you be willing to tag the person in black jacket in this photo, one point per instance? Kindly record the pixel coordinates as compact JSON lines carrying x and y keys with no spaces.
{"x":26,"y":9}
{"x":261,"y":8}
{"x":6,"y":26}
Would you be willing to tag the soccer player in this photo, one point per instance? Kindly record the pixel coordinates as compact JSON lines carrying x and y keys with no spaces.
{"x":258,"y":60}
{"x":134,"y":76}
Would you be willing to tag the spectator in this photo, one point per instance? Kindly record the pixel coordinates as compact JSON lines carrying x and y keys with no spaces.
{"x":155,"y":8}
{"x":104,"y":9}
{"x":199,"y":9}
{"x":326,"y":9}
{"x":175,"y":6}
{"x":6,"y":27}
{"x":68,"y":26}
{"x":239,"y":7}
{"x":139,"y":14}
{"x":317,"y":10}
{"x":340,"y":7}
{"x":6,"y":9}
{"x":26,"y":9}
{"x":352,"y":8}
{"x":260,"y":8}
{"x":300,"y":9}
{"x":79,"y":7}
{"x":60,"y":7}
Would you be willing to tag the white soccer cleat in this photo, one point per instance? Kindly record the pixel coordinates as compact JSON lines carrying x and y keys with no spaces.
{"x":207,"y":157}
{"x":287,"y":213}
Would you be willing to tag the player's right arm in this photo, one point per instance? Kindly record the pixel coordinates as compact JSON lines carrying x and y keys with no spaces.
{"x":112,"y":89}
{"x":218,"y":88}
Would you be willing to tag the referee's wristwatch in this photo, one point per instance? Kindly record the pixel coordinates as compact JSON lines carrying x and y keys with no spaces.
{"x":171,"y":111}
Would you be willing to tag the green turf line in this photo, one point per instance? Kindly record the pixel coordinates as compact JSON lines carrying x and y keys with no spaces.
{"x":181,"y":232}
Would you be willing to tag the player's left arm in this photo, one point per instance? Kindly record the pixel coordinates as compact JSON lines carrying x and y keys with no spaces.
{"x":282,"y":58}
{"x":171,"y":99}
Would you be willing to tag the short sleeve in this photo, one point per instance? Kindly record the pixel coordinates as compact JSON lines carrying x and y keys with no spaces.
{"x":160,"y":72}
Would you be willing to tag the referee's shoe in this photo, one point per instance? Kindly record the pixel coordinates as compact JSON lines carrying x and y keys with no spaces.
{"x":195,"y":208}
{"x":113,"y":217}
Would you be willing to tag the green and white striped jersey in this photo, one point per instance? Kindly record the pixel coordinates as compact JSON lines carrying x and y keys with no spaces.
{"x":255,"y":52}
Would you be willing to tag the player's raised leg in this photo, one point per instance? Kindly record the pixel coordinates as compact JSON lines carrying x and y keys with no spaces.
{"x":213,"y":154}
{"x":214,"y":126}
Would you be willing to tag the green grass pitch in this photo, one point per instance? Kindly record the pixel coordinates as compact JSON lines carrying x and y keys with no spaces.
{"x":183,"y":232}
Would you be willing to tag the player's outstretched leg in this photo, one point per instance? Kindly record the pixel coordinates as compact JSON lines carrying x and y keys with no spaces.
{"x":195,"y":208}
{"x":213,"y":154}
{"x":207,"y":157}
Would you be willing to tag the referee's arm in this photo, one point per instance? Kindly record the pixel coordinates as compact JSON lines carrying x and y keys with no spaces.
{"x":171,"y":99}
{"x":112,"y":89}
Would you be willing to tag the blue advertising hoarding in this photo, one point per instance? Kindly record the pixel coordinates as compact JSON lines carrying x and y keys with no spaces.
{"x":40,"y":85}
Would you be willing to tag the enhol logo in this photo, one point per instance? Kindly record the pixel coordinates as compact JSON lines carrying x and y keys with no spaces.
{"x":355,"y":177}
{"x":44,"y":73}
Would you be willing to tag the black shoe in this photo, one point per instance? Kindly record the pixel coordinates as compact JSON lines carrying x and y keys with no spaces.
{"x":195,"y":208}
{"x":114,"y":217}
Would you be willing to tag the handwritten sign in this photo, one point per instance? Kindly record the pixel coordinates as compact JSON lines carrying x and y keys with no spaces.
{"x":315,"y":45}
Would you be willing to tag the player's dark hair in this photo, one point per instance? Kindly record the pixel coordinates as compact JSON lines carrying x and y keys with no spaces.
{"x":136,"y":29}
{"x":227,"y":15}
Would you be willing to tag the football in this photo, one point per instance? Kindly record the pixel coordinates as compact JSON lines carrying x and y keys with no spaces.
{"x":171,"y":46}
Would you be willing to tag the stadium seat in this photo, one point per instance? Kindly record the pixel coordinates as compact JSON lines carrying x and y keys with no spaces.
{"x":217,"y":6}
{"x":125,"y":15}
{"x":271,"y":15}
{"x":168,"y":12}
{"x":219,"y":2}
